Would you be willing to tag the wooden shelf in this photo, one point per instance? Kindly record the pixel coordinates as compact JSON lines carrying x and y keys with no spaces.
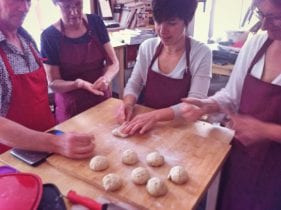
{"x":222,"y":69}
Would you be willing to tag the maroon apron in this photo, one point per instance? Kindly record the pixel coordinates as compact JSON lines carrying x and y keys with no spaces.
{"x":29,"y":103}
{"x":161,"y":91}
{"x":251,"y":178}
{"x":85,"y":61}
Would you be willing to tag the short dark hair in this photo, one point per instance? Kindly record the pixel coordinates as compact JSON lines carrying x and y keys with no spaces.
{"x":164,"y":10}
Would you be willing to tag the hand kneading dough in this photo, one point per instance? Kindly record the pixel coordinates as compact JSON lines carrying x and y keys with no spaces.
{"x":99,"y":163}
{"x":178,"y":175}
{"x":117,"y":132}
{"x":129,"y":157}
{"x":155,"y":159}
{"x":140,"y":175}
{"x":111,"y":182}
{"x":156,"y":187}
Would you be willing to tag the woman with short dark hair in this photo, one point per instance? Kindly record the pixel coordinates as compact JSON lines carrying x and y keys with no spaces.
{"x":169,"y":67}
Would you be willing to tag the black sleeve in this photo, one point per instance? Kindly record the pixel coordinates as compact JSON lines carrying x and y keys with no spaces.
{"x":50,"y":41}
{"x":96,"y":25}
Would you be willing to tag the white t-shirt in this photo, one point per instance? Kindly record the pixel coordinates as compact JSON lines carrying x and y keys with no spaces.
{"x":200,"y":69}
{"x":229,"y":97}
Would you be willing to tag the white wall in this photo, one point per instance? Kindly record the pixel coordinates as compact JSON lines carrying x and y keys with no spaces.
{"x":42,"y":14}
{"x":228,"y":14}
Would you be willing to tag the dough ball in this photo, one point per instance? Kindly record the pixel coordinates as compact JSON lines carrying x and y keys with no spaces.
{"x":140,"y":175}
{"x":156,"y":187}
{"x":117,"y":132}
{"x":155,"y":159}
{"x":129,"y":157}
{"x":99,"y":163}
{"x":111,"y":182}
{"x":178,"y":175}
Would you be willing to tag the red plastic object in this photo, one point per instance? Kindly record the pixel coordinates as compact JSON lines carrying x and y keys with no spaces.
{"x":20,"y":191}
{"x":85,"y":201}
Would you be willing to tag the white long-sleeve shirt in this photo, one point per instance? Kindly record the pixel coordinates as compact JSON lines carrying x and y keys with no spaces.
{"x":200,"y":69}
{"x":229,"y":97}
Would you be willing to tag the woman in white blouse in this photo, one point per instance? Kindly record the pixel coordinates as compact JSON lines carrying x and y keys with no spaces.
{"x":251,"y":177}
{"x":168,"y":68}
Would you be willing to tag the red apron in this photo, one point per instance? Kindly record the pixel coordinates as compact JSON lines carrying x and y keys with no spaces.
{"x":84,"y":61}
{"x":29,"y":104}
{"x":161,"y":91}
{"x":252,"y":175}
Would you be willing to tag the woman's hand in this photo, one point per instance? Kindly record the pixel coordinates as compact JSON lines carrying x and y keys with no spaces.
{"x":141,"y":123}
{"x":125,"y":113}
{"x":88,"y":86}
{"x":101,"y":84}
{"x":190,"y":112}
{"x":248,"y":130}
{"x":192,"y":109}
{"x":74,"y":145}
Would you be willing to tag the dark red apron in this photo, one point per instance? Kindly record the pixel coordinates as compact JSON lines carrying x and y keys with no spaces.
{"x":161,"y":91}
{"x":251,"y":178}
{"x":85,"y":61}
{"x":29,"y":104}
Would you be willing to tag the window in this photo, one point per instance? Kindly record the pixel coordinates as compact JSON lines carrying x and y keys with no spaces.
{"x":218,"y":17}
{"x":39,"y":16}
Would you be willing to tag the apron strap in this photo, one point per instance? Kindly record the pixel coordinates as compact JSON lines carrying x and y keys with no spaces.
{"x":187,"y":53}
{"x":6,"y":62}
{"x":92,"y":36}
{"x":157,"y":53}
{"x":37,"y":58}
{"x":260,"y":53}
{"x":8,"y":65}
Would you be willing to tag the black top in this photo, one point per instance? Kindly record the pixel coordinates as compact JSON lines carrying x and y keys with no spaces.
{"x":51,"y":38}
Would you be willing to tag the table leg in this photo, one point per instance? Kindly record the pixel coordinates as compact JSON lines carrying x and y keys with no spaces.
{"x":121,"y":75}
{"x":212,"y":193}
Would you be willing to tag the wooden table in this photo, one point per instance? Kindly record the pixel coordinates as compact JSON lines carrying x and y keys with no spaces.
{"x":222,"y":69}
{"x":200,"y":147}
{"x":49,"y":174}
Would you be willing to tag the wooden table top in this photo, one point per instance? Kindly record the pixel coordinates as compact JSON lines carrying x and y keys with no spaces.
{"x":200,"y":147}
{"x":49,"y":174}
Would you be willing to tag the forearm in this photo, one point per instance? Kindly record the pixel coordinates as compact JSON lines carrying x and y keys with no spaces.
{"x":16,"y":135}
{"x":111,"y":71}
{"x":165,"y":114}
{"x":273,"y":132}
{"x":129,"y":100}
{"x":211,"y":106}
{"x":62,"y":86}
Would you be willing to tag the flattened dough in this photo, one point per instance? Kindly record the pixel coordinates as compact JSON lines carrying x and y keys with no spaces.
{"x":111,"y":182}
{"x":117,"y":132}
{"x":99,"y":163}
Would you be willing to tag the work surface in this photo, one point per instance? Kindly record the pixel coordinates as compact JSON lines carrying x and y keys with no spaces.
{"x":201,"y":148}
